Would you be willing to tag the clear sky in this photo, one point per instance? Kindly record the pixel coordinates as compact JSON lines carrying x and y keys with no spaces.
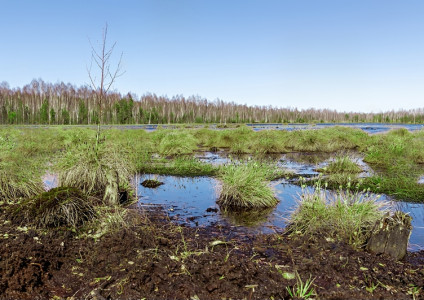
{"x":349,"y":55}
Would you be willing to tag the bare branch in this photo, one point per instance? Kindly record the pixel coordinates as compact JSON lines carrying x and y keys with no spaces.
{"x":107,"y":73}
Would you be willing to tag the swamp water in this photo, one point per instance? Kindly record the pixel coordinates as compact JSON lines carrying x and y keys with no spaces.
{"x":192,"y":200}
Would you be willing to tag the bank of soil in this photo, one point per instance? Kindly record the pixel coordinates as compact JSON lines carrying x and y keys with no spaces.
{"x":153,"y":259}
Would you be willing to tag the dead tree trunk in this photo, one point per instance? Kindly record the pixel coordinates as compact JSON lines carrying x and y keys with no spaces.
{"x":391,"y":235}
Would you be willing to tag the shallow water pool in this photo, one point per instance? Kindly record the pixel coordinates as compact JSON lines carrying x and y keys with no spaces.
{"x":193,"y":201}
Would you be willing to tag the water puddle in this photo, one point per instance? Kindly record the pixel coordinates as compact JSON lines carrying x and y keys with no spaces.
{"x":50,"y":181}
{"x":214,"y":158}
{"x":193,"y":201}
{"x":187,"y":199}
{"x":303,"y":164}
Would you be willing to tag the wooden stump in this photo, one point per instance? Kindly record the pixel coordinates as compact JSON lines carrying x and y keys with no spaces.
{"x":391,"y":235}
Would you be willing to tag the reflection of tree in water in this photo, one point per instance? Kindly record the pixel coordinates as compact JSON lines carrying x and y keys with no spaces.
{"x":248,"y":218}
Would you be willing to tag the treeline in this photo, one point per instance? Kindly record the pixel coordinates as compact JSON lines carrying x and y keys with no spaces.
{"x":46,"y":103}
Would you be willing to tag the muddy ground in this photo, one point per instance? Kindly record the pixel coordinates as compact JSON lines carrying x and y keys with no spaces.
{"x":152,"y":258}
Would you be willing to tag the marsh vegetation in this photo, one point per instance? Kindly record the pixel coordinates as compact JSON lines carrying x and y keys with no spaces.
{"x":96,"y":185}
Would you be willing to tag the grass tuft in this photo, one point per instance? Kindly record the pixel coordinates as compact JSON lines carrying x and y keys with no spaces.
{"x":342,"y":165}
{"x":62,"y":206}
{"x":105,"y":172}
{"x":177,"y":142}
{"x":246,"y":185}
{"x":343,"y":215}
{"x":15,"y":184}
{"x":302,"y":290}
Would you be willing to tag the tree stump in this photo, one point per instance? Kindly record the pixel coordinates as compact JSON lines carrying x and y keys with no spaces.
{"x":391,"y":235}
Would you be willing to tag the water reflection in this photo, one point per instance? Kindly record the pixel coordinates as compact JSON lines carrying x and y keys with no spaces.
{"x":193,"y":201}
{"x":247,"y":218}
{"x":50,"y":181}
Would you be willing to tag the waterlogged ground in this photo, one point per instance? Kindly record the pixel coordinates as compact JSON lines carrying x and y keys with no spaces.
{"x":192,"y":200}
{"x":206,"y":253}
{"x":301,"y":164}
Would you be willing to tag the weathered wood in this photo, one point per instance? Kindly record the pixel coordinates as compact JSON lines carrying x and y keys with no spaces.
{"x":391,"y":235}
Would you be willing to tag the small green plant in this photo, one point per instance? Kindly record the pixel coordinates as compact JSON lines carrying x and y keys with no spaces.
{"x":246,"y":185}
{"x":414,"y":291}
{"x":302,"y":290}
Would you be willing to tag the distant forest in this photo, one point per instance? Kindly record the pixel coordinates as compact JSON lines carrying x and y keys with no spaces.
{"x":45,"y":103}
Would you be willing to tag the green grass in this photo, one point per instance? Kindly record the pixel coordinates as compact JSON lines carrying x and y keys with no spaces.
{"x":26,"y":154}
{"x":326,"y":140}
{"x":22,"y":163}
{"x":269,"y":141}
{"x":177,"y":142}
{"x":341,"y":165}
{"x":16,"y":182}
{"x":343,"y":215}
{"x":235,"y":140}
{"x":246,"y":185}
{"x":104,"y":171}
{"x":302,"y":290}
{"x":179,"y":166}
{"x":397,"y":157}
{"x":403,"y":187}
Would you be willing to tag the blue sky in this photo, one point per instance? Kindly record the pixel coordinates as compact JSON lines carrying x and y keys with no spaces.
{"x":349,"y":55}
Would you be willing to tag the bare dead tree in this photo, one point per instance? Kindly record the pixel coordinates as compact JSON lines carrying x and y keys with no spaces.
{"x":106,"y":73}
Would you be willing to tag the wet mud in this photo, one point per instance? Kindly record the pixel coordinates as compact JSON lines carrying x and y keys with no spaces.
{"x":153,"y":258}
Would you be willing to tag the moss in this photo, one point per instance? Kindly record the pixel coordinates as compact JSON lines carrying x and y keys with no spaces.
{"x":151,"y":183}
{"x":62,"y":206}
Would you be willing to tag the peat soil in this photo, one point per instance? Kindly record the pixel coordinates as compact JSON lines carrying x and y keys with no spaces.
{"x":152,"y":258}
